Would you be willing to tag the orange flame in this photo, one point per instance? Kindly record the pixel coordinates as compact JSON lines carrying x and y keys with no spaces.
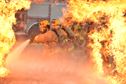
{"x":7,"y":37}
{"x":106,"y":34}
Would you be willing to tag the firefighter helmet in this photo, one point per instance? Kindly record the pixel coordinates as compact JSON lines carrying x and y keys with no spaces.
{"x":55,"y":23}
{"x":43,"y":25}
{"x":44,"y":22}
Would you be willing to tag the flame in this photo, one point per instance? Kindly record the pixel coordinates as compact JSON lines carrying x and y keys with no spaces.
{"x":38,"y":1}
{"x":7,"y":36}
{"x":106,"y":36}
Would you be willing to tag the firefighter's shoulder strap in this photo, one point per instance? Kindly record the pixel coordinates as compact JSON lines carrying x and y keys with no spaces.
{"x":55,"y":32}
{"x":59,"y":33}
{"x":69,"y":32}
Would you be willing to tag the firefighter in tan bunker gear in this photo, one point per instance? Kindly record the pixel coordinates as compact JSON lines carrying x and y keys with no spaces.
{"x":46,"y":35}
{"x":56,"y":27}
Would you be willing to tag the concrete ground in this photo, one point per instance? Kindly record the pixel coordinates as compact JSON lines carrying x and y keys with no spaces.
{"x":41,"y":65}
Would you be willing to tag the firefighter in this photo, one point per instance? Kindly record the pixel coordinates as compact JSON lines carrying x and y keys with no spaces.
{"x":46,"y":35}
{"x":79,"y":35}
{"x":41,"y":27}
{"x":56,"y":27}
{"x":67,"y":26}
